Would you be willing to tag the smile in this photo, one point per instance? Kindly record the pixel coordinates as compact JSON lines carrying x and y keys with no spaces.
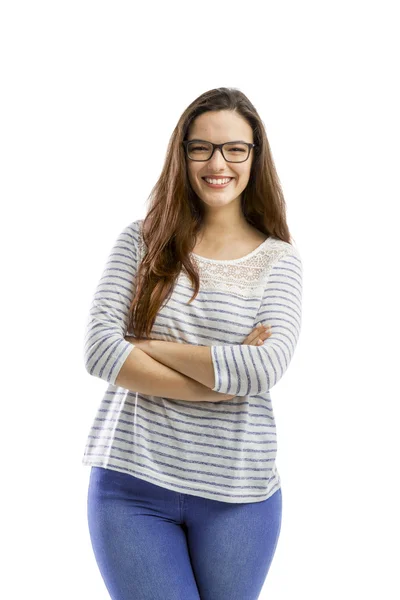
{"x":218,"y":185}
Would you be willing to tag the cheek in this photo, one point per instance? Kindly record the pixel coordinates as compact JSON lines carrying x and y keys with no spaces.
{"x":194,"y":182}
{"x":243,"y":177}
{"x":192,"y":173}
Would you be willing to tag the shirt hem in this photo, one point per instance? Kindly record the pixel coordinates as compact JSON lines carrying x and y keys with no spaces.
{"x":170,"y":484}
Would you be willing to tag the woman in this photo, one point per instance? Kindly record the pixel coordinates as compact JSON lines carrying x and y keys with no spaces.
{"x":184,"y":498}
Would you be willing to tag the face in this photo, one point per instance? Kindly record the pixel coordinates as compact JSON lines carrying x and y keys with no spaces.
{"x":219,"y":127}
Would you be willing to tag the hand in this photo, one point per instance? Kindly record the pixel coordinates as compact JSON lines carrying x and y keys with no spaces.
{"x":257,"y":335}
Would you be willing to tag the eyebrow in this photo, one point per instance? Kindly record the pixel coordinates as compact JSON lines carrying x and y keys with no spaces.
{"x":229,"y":142}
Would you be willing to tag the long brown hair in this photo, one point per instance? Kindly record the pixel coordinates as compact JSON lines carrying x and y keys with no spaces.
{"x":175,"y":214}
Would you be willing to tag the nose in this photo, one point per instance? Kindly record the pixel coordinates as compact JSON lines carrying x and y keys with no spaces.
{"x":217,"y":158}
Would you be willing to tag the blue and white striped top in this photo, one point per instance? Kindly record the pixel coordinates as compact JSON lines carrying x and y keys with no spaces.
{"x":224,"y":450}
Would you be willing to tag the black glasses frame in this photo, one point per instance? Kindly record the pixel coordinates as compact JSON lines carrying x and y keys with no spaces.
{"x":220,"y":147}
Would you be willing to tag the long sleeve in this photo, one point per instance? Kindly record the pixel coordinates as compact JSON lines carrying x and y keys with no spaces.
{"x":243,"y":370}
{"x":105,"y":349}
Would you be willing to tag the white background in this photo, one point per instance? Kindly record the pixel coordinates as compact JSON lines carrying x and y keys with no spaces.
{"x":91,"y":92}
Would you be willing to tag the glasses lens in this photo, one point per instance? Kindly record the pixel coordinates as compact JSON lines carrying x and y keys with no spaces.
{"x":235,"y":152}
{"x":199,"y":150}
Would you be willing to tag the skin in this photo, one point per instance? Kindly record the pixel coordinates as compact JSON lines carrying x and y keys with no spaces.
{"x":224,"y":221}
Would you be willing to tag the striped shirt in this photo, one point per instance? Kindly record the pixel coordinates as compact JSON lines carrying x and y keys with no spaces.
{"x":224,"y":450}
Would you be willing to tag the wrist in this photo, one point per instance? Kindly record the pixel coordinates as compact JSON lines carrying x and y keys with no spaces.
{"x":142,"y":344}
{"x":139,"y":343}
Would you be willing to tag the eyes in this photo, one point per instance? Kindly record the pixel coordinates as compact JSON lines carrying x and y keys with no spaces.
{"x":199,"y":148}
{"x":231,"y":151}
{"x":234,"y":149}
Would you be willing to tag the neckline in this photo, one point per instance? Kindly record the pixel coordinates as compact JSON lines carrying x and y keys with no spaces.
{"x":229,"y":261}
{"x":221,"y":261}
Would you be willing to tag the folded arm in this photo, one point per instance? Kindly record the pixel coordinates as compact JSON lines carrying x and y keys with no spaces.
{"x":241,"y":369}
{"x":193,"y":361}
{"x":111,"y":356}
{"x":250,"y":370}
{"x":140,"y":373}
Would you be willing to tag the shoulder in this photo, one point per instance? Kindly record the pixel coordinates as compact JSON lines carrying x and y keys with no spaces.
{"x":279,"y":249}
{"x":127,"y":241}
{"x":132,"y":231}
{"x":135,"y":226}
{"x":281,"y":255}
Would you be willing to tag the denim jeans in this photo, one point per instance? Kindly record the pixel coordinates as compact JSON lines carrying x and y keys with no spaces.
{"x":151,"y":543}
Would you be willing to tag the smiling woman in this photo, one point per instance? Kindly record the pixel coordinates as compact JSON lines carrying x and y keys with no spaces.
{"x":187,"y":419}
{"x":216,"y":159}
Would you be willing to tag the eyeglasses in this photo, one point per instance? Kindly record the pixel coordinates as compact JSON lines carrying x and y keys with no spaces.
{"x":200,"y":150}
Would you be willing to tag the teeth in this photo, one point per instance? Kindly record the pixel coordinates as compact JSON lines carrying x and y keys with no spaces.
{"x":220,"y":181}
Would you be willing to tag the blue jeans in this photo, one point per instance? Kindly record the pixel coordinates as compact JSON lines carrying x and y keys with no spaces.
{"x":151,"y":543}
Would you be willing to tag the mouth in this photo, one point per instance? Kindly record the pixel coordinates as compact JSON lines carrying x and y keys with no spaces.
{"x":218,"y":185}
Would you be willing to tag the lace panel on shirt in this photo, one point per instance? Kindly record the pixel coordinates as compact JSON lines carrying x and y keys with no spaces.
{"x":242,"y":278}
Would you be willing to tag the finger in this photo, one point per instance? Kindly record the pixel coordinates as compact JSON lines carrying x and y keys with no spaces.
{"x":261,"y":335}
{"x":264,"y":329}
{"x":253,"y":336}
{"x":261,"y":331}
{"x":256,"y":333}
{"x":253,"y":339}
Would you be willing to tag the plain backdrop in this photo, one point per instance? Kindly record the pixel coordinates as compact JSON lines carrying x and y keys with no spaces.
{"x":90,"y":95}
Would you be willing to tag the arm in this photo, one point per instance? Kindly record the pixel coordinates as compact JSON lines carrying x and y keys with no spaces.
{"x":141,"y":373}
{"x":250,"y":370}
{"x":241,"y":369}
{"x":105,"y":349}
{"x":193,"y":361}
{"x":107,"y":354}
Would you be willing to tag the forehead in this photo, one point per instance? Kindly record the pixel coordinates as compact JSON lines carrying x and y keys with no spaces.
{"x":220,"y":126}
